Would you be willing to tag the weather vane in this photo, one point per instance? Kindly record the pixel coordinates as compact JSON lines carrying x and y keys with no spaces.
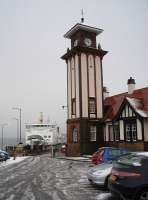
{"x":82,"y":18}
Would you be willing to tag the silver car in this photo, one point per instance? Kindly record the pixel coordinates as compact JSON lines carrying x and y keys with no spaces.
{"x":99,"y":174}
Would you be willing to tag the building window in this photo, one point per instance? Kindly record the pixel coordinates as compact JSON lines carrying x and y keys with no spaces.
{"x":75,"y":135}
{"x":111,"y":132}
{"x":131,"y":131}
{"x":93,"y":131}
{"x":73,"y":106}
{"x":92,"y":105}
{"x":104,"y":132}
{"x":116,"y":132}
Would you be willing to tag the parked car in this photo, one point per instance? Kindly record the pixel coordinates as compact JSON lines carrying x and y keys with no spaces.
{"x":129,"y":177}
{"x":5,"y":155}
{"x":105,"y":154}
{"x":63,"y":149}
{"x":1,"y":158}
{"x":98,"y":175}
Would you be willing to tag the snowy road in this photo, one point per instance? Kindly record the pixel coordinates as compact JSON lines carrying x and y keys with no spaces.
{"x":45,"y":178}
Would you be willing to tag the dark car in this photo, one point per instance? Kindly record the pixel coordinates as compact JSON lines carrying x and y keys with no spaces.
{"x":5,"y":155}
{"x":1,"y":158}
{"x":129,"y":177}
{"x":105,"y":154}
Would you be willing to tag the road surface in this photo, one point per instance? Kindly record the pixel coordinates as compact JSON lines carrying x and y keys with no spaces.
{"x":46,"y":178}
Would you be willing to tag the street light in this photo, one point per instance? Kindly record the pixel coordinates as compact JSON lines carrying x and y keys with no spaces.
{"x":17,"y":120}
{"x":2,"y":126}
{"x":20,"y":110}
{"x":64,"y":107}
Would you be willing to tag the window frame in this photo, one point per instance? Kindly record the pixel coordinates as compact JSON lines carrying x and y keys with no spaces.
{"x":92,"y":105}
{"x":73,"y":106}
{"x":111,"y":134}
{"x":132,"y":132}
{"x":75,"y":135}
{"x":93,"y":138}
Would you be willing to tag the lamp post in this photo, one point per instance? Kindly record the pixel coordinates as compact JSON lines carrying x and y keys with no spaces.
{"x":20,"y":110}
{"x":2,"y":126}
{"x":64,"y":107}
{"x":17,"y":120}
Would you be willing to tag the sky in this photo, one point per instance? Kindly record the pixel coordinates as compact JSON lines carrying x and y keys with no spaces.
{"x":32,"y":74}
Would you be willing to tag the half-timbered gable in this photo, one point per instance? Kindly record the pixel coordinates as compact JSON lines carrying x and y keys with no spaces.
{"x":126,"y":120}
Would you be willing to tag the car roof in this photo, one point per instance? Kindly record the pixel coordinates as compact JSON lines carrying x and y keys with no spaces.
{"x":1,"y":151}
{"x":112,"y":148}
{"x":144,"y":153}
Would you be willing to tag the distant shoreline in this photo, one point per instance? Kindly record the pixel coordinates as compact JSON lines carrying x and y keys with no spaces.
{"x":11,"y":141}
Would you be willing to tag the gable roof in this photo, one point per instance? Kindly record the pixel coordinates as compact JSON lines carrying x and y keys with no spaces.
{"x":138,"y":101}
{"x":137,"y":105}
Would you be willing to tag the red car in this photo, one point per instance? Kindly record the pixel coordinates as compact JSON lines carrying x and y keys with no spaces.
{"x":106,"y":154}
{"x":63,"y":149}
{"x":97,"y":156}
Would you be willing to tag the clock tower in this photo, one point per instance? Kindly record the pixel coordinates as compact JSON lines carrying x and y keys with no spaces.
{"x":84,"y":90}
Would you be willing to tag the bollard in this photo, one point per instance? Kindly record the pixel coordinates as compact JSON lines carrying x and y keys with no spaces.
{"x":14,"y":155}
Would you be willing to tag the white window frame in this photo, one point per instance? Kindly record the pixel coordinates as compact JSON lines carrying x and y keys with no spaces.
{"x":92,"y":105}
{"x":130,"y":132}
{"x":75,"y":135}
{"x":93,"y":133}
{"x":111,"y":133}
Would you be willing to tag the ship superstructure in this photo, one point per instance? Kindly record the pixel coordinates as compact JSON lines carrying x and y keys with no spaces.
{"x":42,"y":133}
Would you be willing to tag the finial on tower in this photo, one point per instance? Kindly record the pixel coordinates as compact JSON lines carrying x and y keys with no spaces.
{"x":82,"y":18}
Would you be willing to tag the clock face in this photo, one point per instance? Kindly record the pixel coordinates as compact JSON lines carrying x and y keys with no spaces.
{"x":87,"y":41}
{"x":75,"y":43}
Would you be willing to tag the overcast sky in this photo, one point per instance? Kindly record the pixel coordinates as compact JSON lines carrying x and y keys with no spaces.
{"x":32,"y":75}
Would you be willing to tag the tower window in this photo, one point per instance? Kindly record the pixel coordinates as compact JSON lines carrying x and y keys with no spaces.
{"x":92,"y":105}
{"x":73,"y":106}
{"x":93,"y":131}
{"x":75,"y":135}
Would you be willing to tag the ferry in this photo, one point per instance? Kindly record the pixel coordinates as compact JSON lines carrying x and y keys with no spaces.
{"x":42,"y":133}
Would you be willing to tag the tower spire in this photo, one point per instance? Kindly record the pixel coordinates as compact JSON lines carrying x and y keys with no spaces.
{"x":82,"y":18}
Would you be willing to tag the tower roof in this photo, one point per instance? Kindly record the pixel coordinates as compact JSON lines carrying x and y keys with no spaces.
{"x":83,"y":27}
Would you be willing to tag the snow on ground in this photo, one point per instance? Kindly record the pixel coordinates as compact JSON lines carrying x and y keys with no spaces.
{"x":76,"y":158}
{"x":12,"y":161}
{"x":103,"y":196}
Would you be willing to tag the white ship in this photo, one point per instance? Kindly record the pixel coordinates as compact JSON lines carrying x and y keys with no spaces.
{"x":42,"y":133}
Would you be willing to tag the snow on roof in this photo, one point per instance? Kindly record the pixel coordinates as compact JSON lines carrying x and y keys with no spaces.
{"x":112,"y":104}
{"x":79,"y":26}
{"x":136,"y":104}
{"x":143,"y":153}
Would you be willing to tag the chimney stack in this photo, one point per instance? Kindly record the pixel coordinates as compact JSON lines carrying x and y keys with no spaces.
{"x":131,"y":85}
{"x":105,"y":93}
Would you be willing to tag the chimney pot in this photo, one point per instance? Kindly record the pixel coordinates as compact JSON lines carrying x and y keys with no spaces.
{"x":105,"y":92}
{"x":131,"y":85}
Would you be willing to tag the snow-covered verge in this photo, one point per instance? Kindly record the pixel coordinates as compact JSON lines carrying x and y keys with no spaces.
{"x":12,"y":161}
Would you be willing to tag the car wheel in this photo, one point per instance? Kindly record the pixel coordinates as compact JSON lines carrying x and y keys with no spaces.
{"x":143,"y":195}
